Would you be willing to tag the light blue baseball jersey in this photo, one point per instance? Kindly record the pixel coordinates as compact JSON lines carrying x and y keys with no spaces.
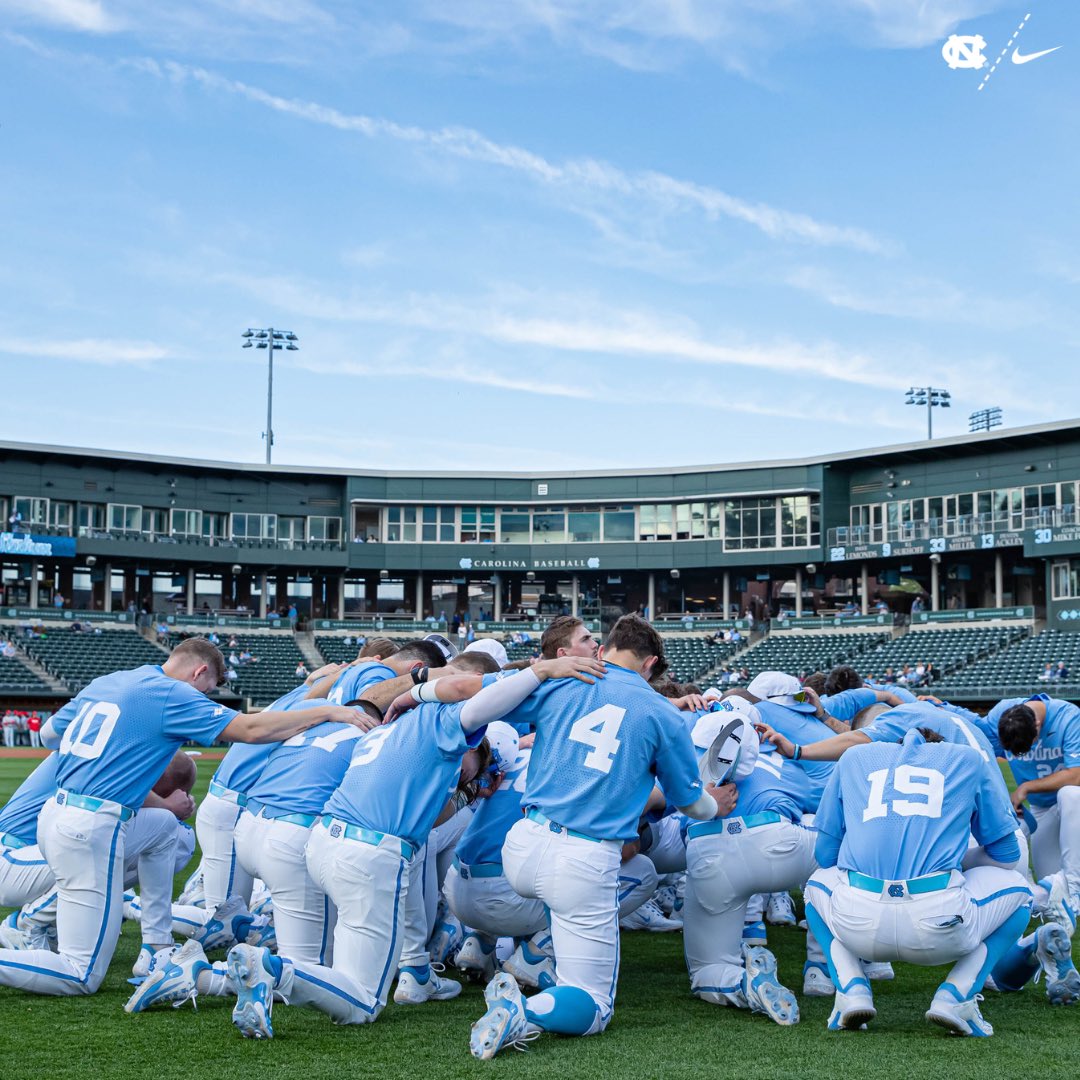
{"x":600,"y":749}
{"x":121,"y":731}
{"x":952,"y":726}
{"x":802,"y":728}
{"x":353,"y":681}
{"x":1057,"y":745}
{"x":304,"y":771}
{"x":902,"y":810}
{"x":902,"y":692}
{"x":402,"y":775}
{"x":849,"y":703}
{"x":776,"y":784}
{"x":243,"y":762}
{"x":20,"y":814}
{"x":482,"y":840}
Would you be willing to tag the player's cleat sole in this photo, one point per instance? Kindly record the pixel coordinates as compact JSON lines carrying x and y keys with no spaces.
{"x":171,"y":978}
{"x":411,"y":991}
{"x":763,"y":990}
{"x":503,"y":1024}
{"x":255,"y":991}
{"x":477,"y":960}
{"x":959,"y":1017}
{"x":851,"y":1012}
{"x":1053,"y":948}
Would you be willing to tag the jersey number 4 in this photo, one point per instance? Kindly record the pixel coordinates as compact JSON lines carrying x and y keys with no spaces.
{"x":929,"y":784}
{"x":598,"y":730}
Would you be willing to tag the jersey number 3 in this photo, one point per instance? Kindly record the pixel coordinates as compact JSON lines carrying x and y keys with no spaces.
{"x":598,"y":730}
{"x":929,"y":784}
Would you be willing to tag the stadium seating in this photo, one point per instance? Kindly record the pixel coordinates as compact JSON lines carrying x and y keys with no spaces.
{"x":949,"y":650}
{"x":1018,"y":669}
{"x":690,"y":658}
{"x":272,"y":672}
{"x":17,"y":678}
{"x":76,"y":658}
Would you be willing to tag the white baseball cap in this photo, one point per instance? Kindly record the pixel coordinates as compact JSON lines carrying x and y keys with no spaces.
{"x":729,"y":740}
{"x":503,"y":740}
{"x":780,"y":689}
{"x":493,"y":648}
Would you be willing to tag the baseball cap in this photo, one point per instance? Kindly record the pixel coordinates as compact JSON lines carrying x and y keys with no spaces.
{"x":729,"y":740}
{"x":442,"y":643}
{"x":781,"y":689}
{"x":493,"y":648}
{"x":503,"y":740}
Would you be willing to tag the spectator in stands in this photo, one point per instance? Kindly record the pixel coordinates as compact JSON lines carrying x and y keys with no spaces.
{"x":294,"y":615}
{"x":213,"y":638}
{"x":1049,"y":672}
{"x":234,"y":660}
{"x":33,"y":727}
{"x":1061,"y":673}
{"x":233,"y":642}
{"x":347,"y":639}
{"x":431,"y":620}
{"x":58,"y":600}
{"x":15,"y":522}
{"x":230,"y":674}
{"x":917,"y":605}
{"x":7,"y":650}
{"x":918,"y":676}
{"x":931,"y":674}
{"x":880,"y":607}
{"x":301,"y":670}
{"x":906,"y":675}
{"x":889,"y":676}
{"x":736,"y":637}
{"x":245,"y":657}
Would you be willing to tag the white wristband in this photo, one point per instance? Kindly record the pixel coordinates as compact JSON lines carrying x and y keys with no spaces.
{"x":424,"y":692}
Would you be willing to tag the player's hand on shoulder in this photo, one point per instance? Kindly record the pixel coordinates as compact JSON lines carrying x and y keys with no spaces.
{"x":767,"y":734}
{"x":585,"y":668}
{"x":726,"y":796}
{"x":322,"y":672}
{"x":347,"y":714}
{"x":180,"y":803}
{"x":690,"y":703}
{"x":400,"y":705}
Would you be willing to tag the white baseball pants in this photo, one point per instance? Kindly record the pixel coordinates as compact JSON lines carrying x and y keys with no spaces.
{"x":1055,"y":845}
{"x":578,"y":880}
{"x":222,"y":876}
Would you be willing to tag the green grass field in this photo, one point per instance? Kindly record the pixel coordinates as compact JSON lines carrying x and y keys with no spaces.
{"x":659,"y":1031}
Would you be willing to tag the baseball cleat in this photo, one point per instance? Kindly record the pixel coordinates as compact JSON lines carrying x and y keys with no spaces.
{"x":504,"y":1024}
{"x":1053,"y":949}
{"x":1059,"y":908}
{"x":171,"y":978}
{"x":13,"y":938}
{"x":145,"y":960}
{"x":219,"y":930}
{"x":476,"y":958}
{"x":192,"y":893}
{"x":262,"y":934}
{"x":753,"y":933}
{"x":445,"y":939}
{"x":817,"y":982}
{"x":780,"y":910}
{"x":878,"y":970}
{"x":852,"y":1011}
{"x":649,"y":917}
{"x":763,"y":990}
{"x":529,"y":968}
{"x":414,"y":990}
{"x":132,"y":906}
{"x":255,"y":991}
{"x":959,"y":1017}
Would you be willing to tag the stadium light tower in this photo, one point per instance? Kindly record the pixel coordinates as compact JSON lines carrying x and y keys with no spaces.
{"x":985,"y":419}
{"x":931,"y":397}
{"x":270,"y":339}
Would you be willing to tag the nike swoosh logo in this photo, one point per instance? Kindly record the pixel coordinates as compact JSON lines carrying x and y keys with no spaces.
{"x":1019,"y":58}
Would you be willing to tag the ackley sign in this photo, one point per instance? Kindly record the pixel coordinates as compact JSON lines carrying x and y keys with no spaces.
{"x":590,"y":563}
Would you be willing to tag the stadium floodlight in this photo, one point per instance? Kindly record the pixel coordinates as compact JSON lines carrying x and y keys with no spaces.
{"x":932,"y":398}
{"x":985,"y":419}
{"x":270,"y":339}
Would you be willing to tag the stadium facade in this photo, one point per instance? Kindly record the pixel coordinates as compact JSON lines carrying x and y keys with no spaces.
{"x":976,"y":522}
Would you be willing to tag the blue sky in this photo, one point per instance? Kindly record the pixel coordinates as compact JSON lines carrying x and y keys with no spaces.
{"x":529,"y":234}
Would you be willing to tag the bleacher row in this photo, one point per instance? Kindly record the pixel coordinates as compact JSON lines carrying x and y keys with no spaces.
{"x":969,"y":662}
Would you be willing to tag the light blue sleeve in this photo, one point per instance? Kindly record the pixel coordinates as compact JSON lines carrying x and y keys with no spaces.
{"x":1070,"y":740}
{"x":994,"y":817}
{"x":829,"y":820}
{"x":676,"y":765}
{"x":189,"y":715}
{"x":885,"y":729}
{"x":449,"y":734}
{"x":53,"y":729}
{"x":848,"y":704}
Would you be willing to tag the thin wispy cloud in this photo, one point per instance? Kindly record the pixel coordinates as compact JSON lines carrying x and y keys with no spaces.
{"x":599,"y":178}
{"x":103,"y":351}
{"x":88,"y":16}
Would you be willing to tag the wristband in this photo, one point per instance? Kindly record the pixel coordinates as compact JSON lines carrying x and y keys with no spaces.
{"x":414,"y":693}
{"x":420,"y":675}
{"x":424,"y":692}
{"x":796,"y":752}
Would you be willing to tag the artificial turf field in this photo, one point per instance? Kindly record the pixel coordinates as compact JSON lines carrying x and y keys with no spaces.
{"x":659,"y":1030}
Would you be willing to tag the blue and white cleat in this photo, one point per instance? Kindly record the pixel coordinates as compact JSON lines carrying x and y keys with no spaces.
{"x":219,"y":932}
{"x":476,"y":958}
{"x":192,"y":894}
{"x":262,"y":935}
{"x":763,"y":990}
{"x":780,"y":911}
{"x":878,"y":970}
{"x":1059,"y":908}
{"x":852,"y":1011}
{"x":132,"y":906}
{"x":528,"y":967}
{"x":959,"y":1017}
{"x":148,"y":959}
{"x":445,"y":939}
{"x":171,"y":978}
{"x":1053,"y":949}
{"x":753,"y":933}
{"x":417,"y":985}
{"x":504,"y":1024}
{"x":250,"y":972}
{"x":817,"y":981}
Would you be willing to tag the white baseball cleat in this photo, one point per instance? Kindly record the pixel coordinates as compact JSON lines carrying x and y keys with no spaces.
{"x":132,"y":906}
{"x":255,"y":991}
{"x":1053,"y":949}
{"x":171,"y":978}
{"x":146,"y":959}
{"x":504,"y":1023}
{"x":780,"y":910}
{"x":192,"y":894}
{"x":878,"y":970}
{"x":13,"y":938}
{"x":414,"y":990}
{"x":445,"y":939}
{"x":959,"y":1017}
{"x":1059,"y":907}
{"x":762,"y":989}
{"x":816,"y":981}
{"x":476,"y":958}
{"x":649,"y":917}
{"x":529,"y":968}
{"x":852,"y":1011}
{"x":218,"y":932}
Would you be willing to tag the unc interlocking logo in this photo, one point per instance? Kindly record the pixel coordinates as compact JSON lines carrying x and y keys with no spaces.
{"x":734,"y":827}
{"x":335,"y":830}
{"x":896,"y":890}
{"x":465,"y":564}
{"x":964,"y":52}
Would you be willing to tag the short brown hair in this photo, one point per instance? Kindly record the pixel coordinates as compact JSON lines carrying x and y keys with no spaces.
{"x":635,"y":635}
{"x":474,"y":663}
{"x":202,"y":651}
{"x":381,"y":647}
{"x":557,"y":635}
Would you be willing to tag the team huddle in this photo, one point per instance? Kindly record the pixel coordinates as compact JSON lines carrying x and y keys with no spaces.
{"x":421,"y":806}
